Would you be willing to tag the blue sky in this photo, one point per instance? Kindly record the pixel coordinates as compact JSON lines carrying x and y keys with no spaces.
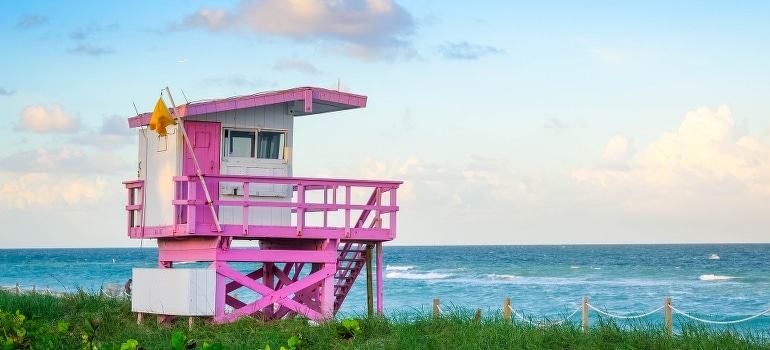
{"x":556,"y":122}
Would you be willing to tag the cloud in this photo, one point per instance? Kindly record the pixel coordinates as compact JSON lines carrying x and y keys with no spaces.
{"x":616,"y":154}
{"x":699,"y":183}
{"x":79,"y":34}
{"x":82,"y":33}
{"x":44,"y":120}
{"x":4,"y":92}
{"x":556,"y":126}
{"x":30,"y":21}
{"x":62,"y":160}
{"x":113,"y":133}
{"x":467,"y":51}
{"x":617,"y":149}
{"x":34,"y":191}
{"x":116,"y":125}
{"x":91,"y":50}
{"x":364,"y":29}
{"x":300,"y":66}
{"x":702,"y":166}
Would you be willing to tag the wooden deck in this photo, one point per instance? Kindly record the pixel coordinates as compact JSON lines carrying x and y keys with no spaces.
{"x":349,"y":210}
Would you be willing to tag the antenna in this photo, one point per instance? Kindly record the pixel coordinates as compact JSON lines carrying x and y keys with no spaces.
{"x":338,"y":84}
{"x":185,"y":97}
{"x":135,"y":109}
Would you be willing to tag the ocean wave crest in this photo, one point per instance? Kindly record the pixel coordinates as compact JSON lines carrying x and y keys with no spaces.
{"x":501,"y":277}
{"x":712,"y":277}
{"x":398,"y":268}
{"x":417,"y":276}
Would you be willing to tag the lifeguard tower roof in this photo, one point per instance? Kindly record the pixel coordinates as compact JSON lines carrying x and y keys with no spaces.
{"x":306,"y":101}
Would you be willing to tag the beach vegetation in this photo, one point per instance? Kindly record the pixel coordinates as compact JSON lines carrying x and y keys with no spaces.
{"x":97,"y":322}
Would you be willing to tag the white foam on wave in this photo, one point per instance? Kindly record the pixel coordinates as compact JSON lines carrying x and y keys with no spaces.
{"x":417,"y":276}
{"x":712,"y":277}
{"x":574,"y":267}
{"x":495,"y":276}
{"x":398,"y":268}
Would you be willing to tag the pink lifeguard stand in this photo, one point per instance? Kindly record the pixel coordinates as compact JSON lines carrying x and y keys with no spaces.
{"x":272,"y":245}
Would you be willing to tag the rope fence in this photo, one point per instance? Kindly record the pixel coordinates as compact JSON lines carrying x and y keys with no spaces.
{"x":111,"y":290}
{"x":509,"y":313}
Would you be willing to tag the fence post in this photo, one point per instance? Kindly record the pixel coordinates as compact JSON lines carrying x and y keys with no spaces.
{"x":17,"y":288}
{"x":436,"y":311}
{"x":585,"y":314}
{"x":477,"y":317}
{"x":667,"y":313}
{"x":507,"y":310}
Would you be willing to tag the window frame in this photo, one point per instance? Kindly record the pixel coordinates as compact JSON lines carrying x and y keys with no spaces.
{"x":227,"y":141}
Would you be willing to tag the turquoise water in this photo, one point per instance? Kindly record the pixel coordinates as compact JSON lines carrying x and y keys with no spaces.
{"x":541,"y":281}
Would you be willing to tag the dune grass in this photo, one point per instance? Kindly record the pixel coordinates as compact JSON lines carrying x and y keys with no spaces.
{"x":455,"y":330}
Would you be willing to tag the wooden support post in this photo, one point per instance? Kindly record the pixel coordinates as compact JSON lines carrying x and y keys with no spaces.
{"x":139,"y":317}
{"x":369,"y":284}
{"x":667,"y":313}
{"x":189,"y":323}
{"x":380,"y":278}
{"x":585,"y":314}
{"x":17,"y":288}
{"x":436,"y":310}
{"x":507,"y":310}
{"x":477,"y":317}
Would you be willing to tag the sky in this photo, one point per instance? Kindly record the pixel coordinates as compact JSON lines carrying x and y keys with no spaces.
{"x":543,"y":122}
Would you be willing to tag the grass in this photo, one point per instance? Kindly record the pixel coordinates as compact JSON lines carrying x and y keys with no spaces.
{"x":455,"y":330}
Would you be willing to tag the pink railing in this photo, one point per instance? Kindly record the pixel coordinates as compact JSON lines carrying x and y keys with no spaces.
{"x":305,"y":207}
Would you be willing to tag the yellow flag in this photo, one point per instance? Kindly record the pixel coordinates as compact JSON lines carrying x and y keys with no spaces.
{"x":161,"y":118}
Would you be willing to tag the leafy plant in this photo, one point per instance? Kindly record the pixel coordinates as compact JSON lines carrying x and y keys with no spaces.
{"x":348,"y":329}
{"x":297,"y":342}
{"x":179,"y":341}
{"x":20,"y":332}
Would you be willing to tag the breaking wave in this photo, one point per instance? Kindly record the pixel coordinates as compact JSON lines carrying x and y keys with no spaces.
{"x":712,"y":277}
{"x":418,"y":276}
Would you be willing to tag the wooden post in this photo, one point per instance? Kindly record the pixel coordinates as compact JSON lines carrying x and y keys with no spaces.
{"x":369,"y":285}
{"x":667,"y":312}
{"x":380,"y":280}
{"x":17,"y":288}
{"x":507,"y":310}
{"x":585,"y":314}
{"x":436,"y":311}
{"x":477,"y":317}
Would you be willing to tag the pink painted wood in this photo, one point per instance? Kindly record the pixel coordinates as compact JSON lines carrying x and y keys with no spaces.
{"x":308,"y":95}
{"x":307,"y":267}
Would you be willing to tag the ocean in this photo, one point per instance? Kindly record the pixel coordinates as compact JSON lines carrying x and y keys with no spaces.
{"x":718,"y":283}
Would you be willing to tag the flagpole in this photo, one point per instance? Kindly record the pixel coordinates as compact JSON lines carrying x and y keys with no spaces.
{"x":195,"y":161}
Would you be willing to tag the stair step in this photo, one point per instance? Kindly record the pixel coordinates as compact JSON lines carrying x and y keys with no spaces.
{"x":351,"y":259}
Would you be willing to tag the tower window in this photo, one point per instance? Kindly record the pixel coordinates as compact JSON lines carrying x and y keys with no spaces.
{"x":261,"y":144}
